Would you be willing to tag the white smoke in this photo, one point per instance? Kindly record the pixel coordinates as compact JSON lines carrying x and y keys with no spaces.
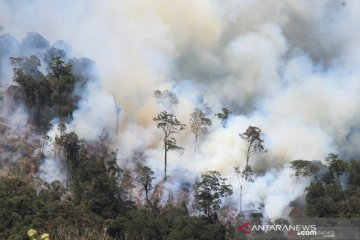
{"x":288,"y":67}
{"x":52,"y":168}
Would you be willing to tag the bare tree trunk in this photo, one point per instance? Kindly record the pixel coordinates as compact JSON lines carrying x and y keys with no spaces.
{"x":165,"y":159}
{"x":196,"y":140}
{"x":248,"y":155}
{"x":196,"y":158}
{"x":37,"y":120}
{"x":240,"y":198}
{"x":117,"y":123}
{"x":146,"y":193}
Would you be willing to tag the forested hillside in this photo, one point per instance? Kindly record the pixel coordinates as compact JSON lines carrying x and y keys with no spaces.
{"x":100,"y":200}
{"x":179,"y":120}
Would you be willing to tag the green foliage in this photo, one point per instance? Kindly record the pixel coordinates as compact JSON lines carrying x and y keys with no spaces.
{"x":253,"y":142}
{"x":191,"y":228}
{"x":223,"y":116}
{"x":246,"y":174}
{"x":69,"y":145}
{"x":354,"y":173}
{"x":33,"y":85}
{"x":199,"y":124}
{"x":209,"y":192}
{"x":17,"y":205}
{"x":143,"y":224}
{"x":170,"y":125}
{"x":93,"y":206}
{"x":336,"y":192}
{"x":96,"y":200}
{"x":92,"y":178}
{"x":21,"y":208}
{"x":145,"y":176}
{"x":171,"y":223}
{"x":63,"y":84}
{"x":304,"y":168}
{"x":49,"y":95}
{"x":166,"y":95}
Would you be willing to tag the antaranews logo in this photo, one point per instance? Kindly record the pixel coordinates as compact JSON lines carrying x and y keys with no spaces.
{"x":244,"y":228}
{"x":300,"y":230}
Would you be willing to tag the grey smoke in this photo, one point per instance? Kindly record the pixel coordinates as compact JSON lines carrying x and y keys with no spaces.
{"x":288,"y":67}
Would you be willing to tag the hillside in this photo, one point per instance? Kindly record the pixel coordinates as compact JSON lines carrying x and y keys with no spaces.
{"x":201,"y":120}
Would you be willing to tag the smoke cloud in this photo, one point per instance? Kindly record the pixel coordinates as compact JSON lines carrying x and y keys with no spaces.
{"x":288,"y":67}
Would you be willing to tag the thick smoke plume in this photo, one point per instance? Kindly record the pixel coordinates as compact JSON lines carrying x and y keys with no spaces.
{"x":288,"y":67}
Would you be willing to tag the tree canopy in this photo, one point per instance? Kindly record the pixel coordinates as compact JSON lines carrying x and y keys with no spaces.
{"x":46,"y":95}
{"x":170,"y":125}
{"x":209,"y":192}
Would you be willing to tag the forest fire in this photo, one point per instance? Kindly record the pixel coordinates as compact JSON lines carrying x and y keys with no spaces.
{"x":173,"y":120}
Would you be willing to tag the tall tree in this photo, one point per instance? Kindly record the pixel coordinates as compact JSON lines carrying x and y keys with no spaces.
{"x":69,"y":146}
{"x":254,"y":144}
{"x":253,"y":141}
{"x":199,"y":124}
{"x":117,"y":112}
{"x":63,"y":80}
{"x":170,"y":125}
{"x":46,"y":96}
{"x":28,"y":76}
{"x":209,"y":191}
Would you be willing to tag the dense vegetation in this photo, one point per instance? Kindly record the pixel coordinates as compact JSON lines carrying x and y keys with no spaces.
{"x":95,"y":205}
{"x":45,"y":96}
{"x":96,"y":201}
{"x":335,"y":188}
